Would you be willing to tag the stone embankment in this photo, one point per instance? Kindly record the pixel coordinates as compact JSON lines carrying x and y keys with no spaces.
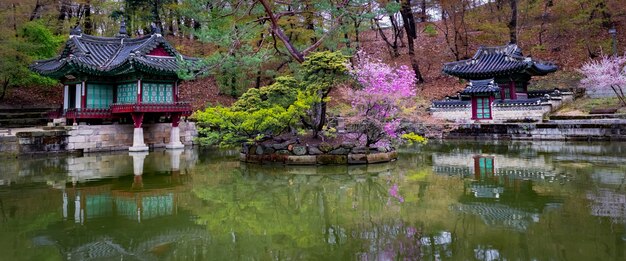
{"x":90,"y":138}
{"x":586,"y":130}
{"x":291,"y":153}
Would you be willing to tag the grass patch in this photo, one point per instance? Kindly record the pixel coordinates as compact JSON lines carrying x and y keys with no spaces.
{"x":585,"y":105}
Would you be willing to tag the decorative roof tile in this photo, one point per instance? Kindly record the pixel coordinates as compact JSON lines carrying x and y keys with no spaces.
{"x":519,"y":102}
{"x":451,"y":103}
{"x":498,"y":61}
{"x":481,"y":87}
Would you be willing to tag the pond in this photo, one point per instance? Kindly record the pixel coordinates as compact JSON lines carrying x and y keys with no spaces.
{"x":440,"y":201}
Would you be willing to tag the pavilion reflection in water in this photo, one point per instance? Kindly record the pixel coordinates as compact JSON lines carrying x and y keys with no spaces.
{"x":499,"y":189}
{"x":86,"y":200}
{"x":105,"y":193}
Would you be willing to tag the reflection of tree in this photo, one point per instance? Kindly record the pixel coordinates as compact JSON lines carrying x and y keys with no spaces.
{"x":331,"y":216}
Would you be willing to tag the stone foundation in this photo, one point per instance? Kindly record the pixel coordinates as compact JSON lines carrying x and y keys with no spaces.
{"x":92,"y":138}
{"x":291,"y":153}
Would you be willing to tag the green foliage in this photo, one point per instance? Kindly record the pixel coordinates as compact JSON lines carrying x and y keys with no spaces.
{"x":227,"y":126}
{"x":323,"y":68}
{"x":34,"y":41}
{"x":274,"y":109}
{"x":283,"y":93}
{"x":430,"y":30}
{"x":40,"y":40}
{"x":413,"y":138}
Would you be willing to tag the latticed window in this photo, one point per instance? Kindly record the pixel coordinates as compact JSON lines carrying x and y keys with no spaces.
{"x":483,"y":108}
{"x":157,"y":93}
{"x":99,"y":96}
{"x":127,"y":93}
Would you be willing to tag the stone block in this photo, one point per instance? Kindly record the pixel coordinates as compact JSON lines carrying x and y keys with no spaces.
{"x":325,"y":147}
{"x":313,"y":150}
{"x":85,"y":131}
{"x":378,"y":157}
{"x":25,"y":141}
{"x":332,"y":159}
{"x":357,"y":158}
{"x":360,"y":150}
{"x":76,"y":139}
{"x":94,"y":138}
{"x":301,"y":160}
{"x":283,"y":152}
{"x":299,"y":150}
{"x":340,"y":151}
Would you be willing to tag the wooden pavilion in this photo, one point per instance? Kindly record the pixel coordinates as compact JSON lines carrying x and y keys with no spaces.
{"x":497,"y":88}
{"x":119,"y":78}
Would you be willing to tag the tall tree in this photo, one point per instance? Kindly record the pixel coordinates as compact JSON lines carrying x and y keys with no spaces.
{"x":411,"y":32}
{"x":513,"y":22}
{"x":277,"y":30}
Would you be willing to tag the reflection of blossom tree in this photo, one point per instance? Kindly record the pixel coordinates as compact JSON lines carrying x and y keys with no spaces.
{"x":270,"y":214}
{"x":393,"y":191}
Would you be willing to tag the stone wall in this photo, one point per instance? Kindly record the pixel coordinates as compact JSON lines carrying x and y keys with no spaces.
{"x":455,"y":114}
{"x":603,"y":93}
{"x":8,"y":144}
{"x":541,"y":131}
{"x":41,"y":141}
{"x":292,"y":153}
{"x":92,"y":138}
{"x":502,"y":112}
{"x":520,"y":112}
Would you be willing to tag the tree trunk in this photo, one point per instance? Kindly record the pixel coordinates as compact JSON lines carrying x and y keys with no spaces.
{"x":88,"y":23}
{"x":411,"y":32}
{"x":513,"y":22}
{"x":423,"y":18}
{"x":155,"y":14}
{"x":36,"y":14}
{"x":15,"y":20}
{"x":5,"y":86}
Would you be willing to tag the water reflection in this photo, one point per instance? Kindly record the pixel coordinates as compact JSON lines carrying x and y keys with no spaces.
{"x":448,"y":201}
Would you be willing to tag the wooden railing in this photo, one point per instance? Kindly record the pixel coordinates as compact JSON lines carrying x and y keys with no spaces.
{"x":118,"y":108}
{"x":181,"y":107}
{"x":88,"y":113}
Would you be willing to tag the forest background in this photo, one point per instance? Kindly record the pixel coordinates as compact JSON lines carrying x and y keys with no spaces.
{"x":246,"y":44}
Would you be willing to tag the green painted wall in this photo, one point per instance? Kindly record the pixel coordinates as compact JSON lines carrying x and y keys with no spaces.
{"x":157,"y":93}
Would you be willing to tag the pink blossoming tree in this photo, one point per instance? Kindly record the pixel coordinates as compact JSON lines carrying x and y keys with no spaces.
{"x":608,"y":72}
{"x":383,"y":100}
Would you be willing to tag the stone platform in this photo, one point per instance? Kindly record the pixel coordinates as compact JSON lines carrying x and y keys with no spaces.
{"x":292,"y":153}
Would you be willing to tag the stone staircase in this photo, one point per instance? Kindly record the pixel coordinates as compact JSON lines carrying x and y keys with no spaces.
{"x":23,"y":117}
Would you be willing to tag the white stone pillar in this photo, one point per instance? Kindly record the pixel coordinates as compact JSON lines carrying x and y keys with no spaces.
{"x":138,"y":141}
{"x":175,"y":159}
{"x":175,"y":139}
{"x":138,"y":159}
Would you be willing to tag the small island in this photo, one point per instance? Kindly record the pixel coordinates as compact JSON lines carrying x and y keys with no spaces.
{"x":287,"y":122}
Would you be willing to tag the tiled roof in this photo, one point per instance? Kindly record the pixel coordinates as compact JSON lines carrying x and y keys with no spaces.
{"x":481,"y":87}
{"x":450,"y":103}
{"x":91,"y":55}
{"x":499,"y":61}
{"x":506,"y":103}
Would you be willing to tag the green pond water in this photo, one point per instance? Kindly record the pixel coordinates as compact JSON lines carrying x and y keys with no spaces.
{"x":440,"y":201}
